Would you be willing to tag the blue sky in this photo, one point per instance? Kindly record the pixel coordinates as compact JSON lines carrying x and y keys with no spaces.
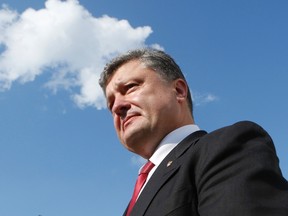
{"x":59,"y":154}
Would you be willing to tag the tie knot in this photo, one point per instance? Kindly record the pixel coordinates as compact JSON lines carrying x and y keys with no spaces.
{"x":147,"y":167}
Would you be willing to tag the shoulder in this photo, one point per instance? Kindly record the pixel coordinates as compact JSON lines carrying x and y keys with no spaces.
{"x":239,"y":163}
{"x":237,"y":137}
{"x":243,"y":141}
{"x":239,"y":134}
{"x":238,"y":128}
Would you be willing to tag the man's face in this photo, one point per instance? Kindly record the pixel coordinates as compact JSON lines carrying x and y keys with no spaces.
{"x":143,"y":106}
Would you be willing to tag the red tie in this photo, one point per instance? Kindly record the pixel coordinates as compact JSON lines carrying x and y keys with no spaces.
{"x":139,"y":184}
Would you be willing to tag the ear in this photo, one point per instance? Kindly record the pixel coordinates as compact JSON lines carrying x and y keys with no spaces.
{"x":181,"y":89}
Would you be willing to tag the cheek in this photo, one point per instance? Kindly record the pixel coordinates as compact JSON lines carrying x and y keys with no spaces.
{"x":157,"y":102}
{"x":136,"y":98}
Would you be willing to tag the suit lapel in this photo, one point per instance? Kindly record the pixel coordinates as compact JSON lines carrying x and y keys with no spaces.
{"x":162,"y":174}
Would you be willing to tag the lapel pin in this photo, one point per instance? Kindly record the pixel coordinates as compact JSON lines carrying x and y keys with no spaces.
{"x":169,"y":163}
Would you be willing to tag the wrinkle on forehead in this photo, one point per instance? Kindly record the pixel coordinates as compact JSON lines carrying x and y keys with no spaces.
{"x":118,"y":77}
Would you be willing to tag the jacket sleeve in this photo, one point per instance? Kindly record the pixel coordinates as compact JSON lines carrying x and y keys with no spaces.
{"x":237,"y":173}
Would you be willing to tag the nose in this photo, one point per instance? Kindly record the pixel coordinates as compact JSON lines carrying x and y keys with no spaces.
{"x":120,"y":107}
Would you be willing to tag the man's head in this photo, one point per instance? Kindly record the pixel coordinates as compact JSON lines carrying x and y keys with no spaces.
{"x":156,"y":60}
{"x":148,"y":97}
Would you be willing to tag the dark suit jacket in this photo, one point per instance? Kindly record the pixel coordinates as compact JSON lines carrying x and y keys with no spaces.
{"x":233,"y":171}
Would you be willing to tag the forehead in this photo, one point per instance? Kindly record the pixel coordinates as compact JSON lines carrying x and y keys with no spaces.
{"x":130,"y":70}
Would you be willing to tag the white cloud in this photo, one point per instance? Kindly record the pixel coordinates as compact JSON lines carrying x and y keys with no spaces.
{"x":65,"y":39}
{"x":203,"y":98}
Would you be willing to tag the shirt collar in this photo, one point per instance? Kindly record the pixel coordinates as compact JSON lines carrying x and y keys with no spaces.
{"x":170,"y":141}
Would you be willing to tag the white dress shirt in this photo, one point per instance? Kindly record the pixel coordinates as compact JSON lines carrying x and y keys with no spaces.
{"x":167,"y":145}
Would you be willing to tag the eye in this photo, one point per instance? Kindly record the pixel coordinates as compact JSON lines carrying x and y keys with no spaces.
{"x":130,"y":86}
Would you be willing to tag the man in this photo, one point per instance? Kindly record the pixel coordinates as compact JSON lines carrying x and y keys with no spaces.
{"x":231,"y":171}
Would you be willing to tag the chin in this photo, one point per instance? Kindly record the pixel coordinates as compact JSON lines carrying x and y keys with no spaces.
{"x":132,"y":145}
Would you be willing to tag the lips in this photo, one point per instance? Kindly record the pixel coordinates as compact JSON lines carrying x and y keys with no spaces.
{"x":128,"y":119}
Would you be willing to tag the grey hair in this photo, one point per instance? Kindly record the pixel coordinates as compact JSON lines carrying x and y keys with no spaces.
{"x":154,"y":59}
